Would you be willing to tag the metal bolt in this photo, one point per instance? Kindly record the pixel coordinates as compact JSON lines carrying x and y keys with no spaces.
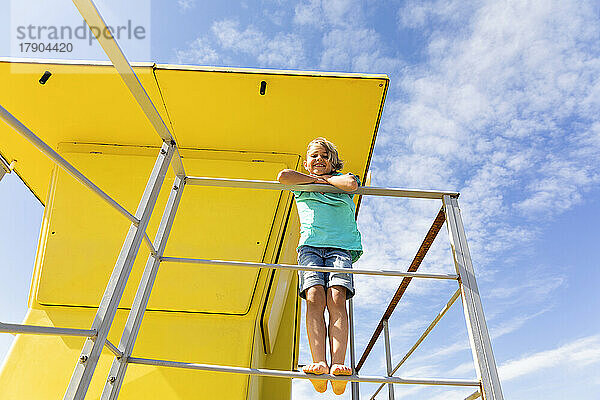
{"x":112,"y":379}
{"x":175,"y":187}
{"x":83,"y":359}
{"x":163,"y":151}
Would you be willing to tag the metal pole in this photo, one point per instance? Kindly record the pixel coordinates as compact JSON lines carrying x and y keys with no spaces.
{"x":149,"y":244}
{"x":274,"y":185}
{"x":354,"y":385}
{"x":388,"y":357}
{"x":309,"y":268}
{"x":134,"y":320}
{"x":473,"y":396}
{"x":45,"y":330}
{"x":113,"y":348}
{"x":54,"y":156}
{"x":423,"y":336}
{"x":481,"y":346}
{"x":302,"y":375}
{"x":82,"y":375}
{"x":5,"y":167}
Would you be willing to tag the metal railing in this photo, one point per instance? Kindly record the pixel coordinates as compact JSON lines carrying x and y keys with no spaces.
{"x":110,"y":299}
{"x":487,"y":382}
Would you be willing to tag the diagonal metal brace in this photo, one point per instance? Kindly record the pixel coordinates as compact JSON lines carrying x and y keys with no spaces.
{"x":427,"y":242}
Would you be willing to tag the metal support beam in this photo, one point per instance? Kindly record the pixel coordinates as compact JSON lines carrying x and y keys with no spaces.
{"x":302,"y":375}
{"x":140,"y":302}
{"x":388,"y":357}
{"x":481,"y":345}
{"x":355,"y":271}
{"x":274,"y":185}
{"x":92,"y":17}
{"x":64,"y":164}
{"x":149,"y":244}
{"x":5,"y":167}
{"x":107,"y":309}
{"x":45,"y":330}
{"x":354,"y":385}
{"x":414,"y":265}
{"x":475,"y":395}
{"x":423,"y":336}
{"x":113,"y":348}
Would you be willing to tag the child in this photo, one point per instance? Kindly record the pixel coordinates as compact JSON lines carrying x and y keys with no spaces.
{"x":328,"y":237}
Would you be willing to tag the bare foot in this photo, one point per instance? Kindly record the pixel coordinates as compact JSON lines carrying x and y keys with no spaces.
{"x":339,"y":386}
{"x":317,"y":368}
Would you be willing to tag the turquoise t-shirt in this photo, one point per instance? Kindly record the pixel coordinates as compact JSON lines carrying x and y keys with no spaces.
{"x":327,"y":220}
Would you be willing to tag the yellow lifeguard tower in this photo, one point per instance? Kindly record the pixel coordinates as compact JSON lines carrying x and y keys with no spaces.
{"x":204,"y":145}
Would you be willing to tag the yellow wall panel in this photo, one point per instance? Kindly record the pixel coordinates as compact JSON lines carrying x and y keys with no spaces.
{"x":39,"y":367}
{"x":85,"y":235}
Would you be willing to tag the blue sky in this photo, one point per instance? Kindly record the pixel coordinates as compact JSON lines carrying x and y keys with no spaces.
{"x":499,"y":100}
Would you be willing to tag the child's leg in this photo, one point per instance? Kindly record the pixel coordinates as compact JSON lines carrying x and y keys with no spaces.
{"x":316,"y":330}
{"x":338,"y":335}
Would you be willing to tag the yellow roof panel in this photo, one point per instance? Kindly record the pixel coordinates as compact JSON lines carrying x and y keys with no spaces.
{"x":206,"y":108}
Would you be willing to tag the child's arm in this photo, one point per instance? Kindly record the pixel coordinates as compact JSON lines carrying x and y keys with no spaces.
{"x":345,"y":182}
{"x":291,"y":177}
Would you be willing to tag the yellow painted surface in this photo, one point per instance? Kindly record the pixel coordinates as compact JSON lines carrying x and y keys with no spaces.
{"x":224,"y":128}
{"x":85,"y":235}
{"x":88,"y":104}
{"x":275,"y":307}
{"x":231,"y":114}
{"x":39,"y":367}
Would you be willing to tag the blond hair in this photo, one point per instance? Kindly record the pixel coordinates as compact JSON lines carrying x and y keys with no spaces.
{"x":332,"y":154}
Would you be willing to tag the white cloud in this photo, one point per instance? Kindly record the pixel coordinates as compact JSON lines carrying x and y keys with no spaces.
{"x":567,"y":179}
{"x":185,"y":5}
{"x":419,"y":14}
{"x":227,"y":40}
{"x":513,"y":324}
{"x":322,"y":13}
{"x":283,"y":50}
{"x":581,"y":353}
{"x":309,"y":13}
{"x":355,"y":49}
{"x":277,"y":16}
{"x":463,"y":370}
{"x":349,"y":43}
{"x":535,"y":289}
{"x":198,"y":52}
{"x":444,"y":351}
{"x":230,"y":37}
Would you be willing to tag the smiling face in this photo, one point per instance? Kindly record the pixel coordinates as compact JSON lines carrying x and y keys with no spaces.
{"x":317,"y":160}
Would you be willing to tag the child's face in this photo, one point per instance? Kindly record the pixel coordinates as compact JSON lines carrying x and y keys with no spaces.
{"x":317,"y":160}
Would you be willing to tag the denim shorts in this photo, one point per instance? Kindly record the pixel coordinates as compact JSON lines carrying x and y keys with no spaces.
{"x":327,"y":257}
